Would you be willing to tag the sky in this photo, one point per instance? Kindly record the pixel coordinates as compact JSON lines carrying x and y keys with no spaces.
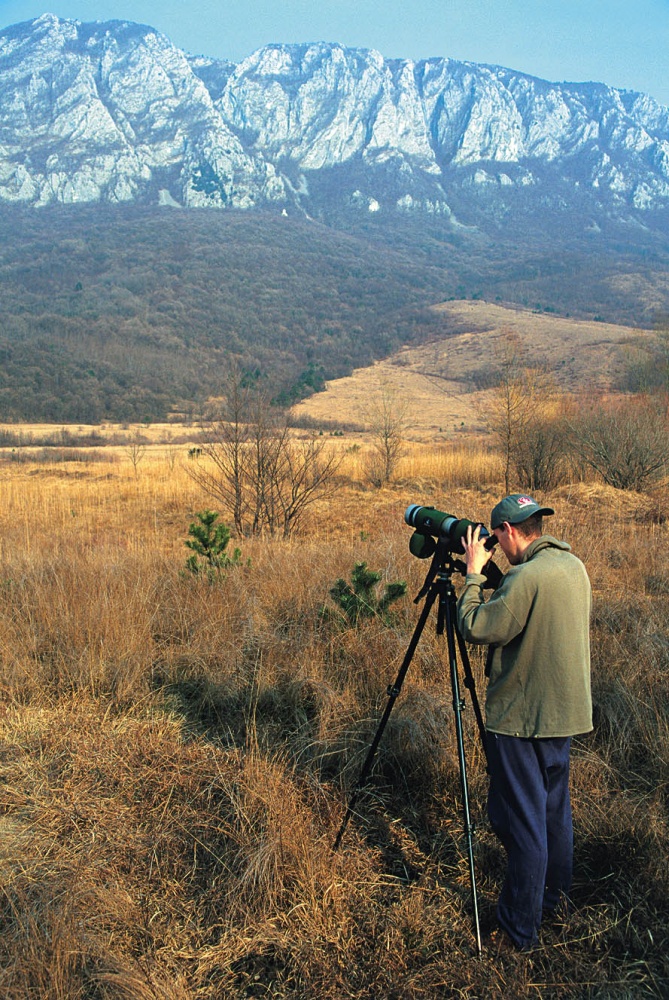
{"x":624,"y":43}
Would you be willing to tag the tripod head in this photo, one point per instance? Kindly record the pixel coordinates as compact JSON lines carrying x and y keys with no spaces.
{"x":443,"y":564}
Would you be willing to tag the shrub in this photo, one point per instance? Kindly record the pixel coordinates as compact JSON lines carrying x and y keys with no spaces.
{"x":624,"y":441}
{"x":539,"y":456}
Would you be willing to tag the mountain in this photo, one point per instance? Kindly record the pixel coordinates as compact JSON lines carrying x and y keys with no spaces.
{"x":114,"y":112}
{"x":300,"y":212}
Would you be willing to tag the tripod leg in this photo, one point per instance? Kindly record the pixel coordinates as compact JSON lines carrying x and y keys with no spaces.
{"x":470,"y":684}
{"x":448,"y":605}
{"x":393,"y":692}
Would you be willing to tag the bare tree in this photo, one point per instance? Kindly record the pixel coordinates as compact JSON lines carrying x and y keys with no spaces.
{"x":387,"y":417}
{"x":303,"y":473}
{"x":135,"y":450}
{"x":625,"y":441}
{"x":264,"y":477}
{"x":518,"y":412}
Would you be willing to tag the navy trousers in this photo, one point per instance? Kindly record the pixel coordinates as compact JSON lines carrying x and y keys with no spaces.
{"x":530,"y":812}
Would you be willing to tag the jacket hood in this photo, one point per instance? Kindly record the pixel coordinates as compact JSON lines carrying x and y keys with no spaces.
{"x":544,"y":542}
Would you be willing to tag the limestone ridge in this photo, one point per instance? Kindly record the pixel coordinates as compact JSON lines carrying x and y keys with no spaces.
{"x":114,"y":112}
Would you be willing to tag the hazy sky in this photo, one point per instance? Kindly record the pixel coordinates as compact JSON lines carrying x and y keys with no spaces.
{"x":624,"y":43}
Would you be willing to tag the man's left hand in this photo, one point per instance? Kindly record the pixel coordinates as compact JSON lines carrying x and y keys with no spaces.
{"x":476,"y":555}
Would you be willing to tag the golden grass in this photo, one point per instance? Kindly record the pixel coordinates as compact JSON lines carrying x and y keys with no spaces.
{"x":152,"y":433}
{"x":176,"y":756}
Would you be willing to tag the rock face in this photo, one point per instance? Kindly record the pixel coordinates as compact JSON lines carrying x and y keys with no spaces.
{"x":114,"y":112}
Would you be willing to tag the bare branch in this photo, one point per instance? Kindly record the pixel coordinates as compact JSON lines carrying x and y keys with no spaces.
{"x":388,"y":418}
{"x":625,"y":441}
{"x":254,"y":467}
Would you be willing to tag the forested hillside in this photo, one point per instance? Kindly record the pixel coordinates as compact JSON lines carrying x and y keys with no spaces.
{"x":131,"y":313}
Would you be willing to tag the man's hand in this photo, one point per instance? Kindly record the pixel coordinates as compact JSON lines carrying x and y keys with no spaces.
{"x":476,"y":555}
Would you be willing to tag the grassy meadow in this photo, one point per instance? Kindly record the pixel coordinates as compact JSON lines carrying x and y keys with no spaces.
{"x":177,"y":754}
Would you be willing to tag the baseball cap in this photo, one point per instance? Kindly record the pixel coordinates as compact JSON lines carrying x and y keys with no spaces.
{"x":516,"y":508}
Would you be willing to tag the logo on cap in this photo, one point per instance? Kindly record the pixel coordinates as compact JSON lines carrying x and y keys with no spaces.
{"x":525,"y":502}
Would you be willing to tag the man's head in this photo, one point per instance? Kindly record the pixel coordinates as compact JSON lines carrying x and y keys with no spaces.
{"x":516,"y":521}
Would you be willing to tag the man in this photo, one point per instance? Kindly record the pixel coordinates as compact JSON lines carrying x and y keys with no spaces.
{"x":537,"y":626}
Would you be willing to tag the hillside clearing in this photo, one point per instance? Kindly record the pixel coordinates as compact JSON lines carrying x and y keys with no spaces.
{"x":438,"y":377}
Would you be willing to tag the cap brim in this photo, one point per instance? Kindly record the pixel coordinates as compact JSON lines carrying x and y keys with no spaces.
{"x":547,"y":511}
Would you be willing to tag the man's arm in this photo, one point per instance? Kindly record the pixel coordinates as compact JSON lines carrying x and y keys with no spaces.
{"x":493,"y":622}
{"x":479,"y":622}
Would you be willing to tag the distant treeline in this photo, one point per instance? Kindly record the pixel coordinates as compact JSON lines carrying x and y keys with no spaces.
{"x":132,"y":313}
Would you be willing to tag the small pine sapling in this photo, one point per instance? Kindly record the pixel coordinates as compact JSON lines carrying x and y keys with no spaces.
{"x":359,"y":599}
{"x":209,"y":542}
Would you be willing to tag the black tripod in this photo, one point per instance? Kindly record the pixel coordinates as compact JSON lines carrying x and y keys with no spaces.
{"x":438,"y":584}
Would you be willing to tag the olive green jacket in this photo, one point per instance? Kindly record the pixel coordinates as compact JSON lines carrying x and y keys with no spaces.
{"x":538,"y":623}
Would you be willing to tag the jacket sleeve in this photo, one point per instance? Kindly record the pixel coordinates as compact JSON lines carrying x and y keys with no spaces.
{"x":496,"y":622}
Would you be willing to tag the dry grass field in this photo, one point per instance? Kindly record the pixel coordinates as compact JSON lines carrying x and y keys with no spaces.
{"x":177,"y":754}
{"x":435,"y":378}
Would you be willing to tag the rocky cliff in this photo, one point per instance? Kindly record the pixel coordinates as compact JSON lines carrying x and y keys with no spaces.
{"x":115,"y":112}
